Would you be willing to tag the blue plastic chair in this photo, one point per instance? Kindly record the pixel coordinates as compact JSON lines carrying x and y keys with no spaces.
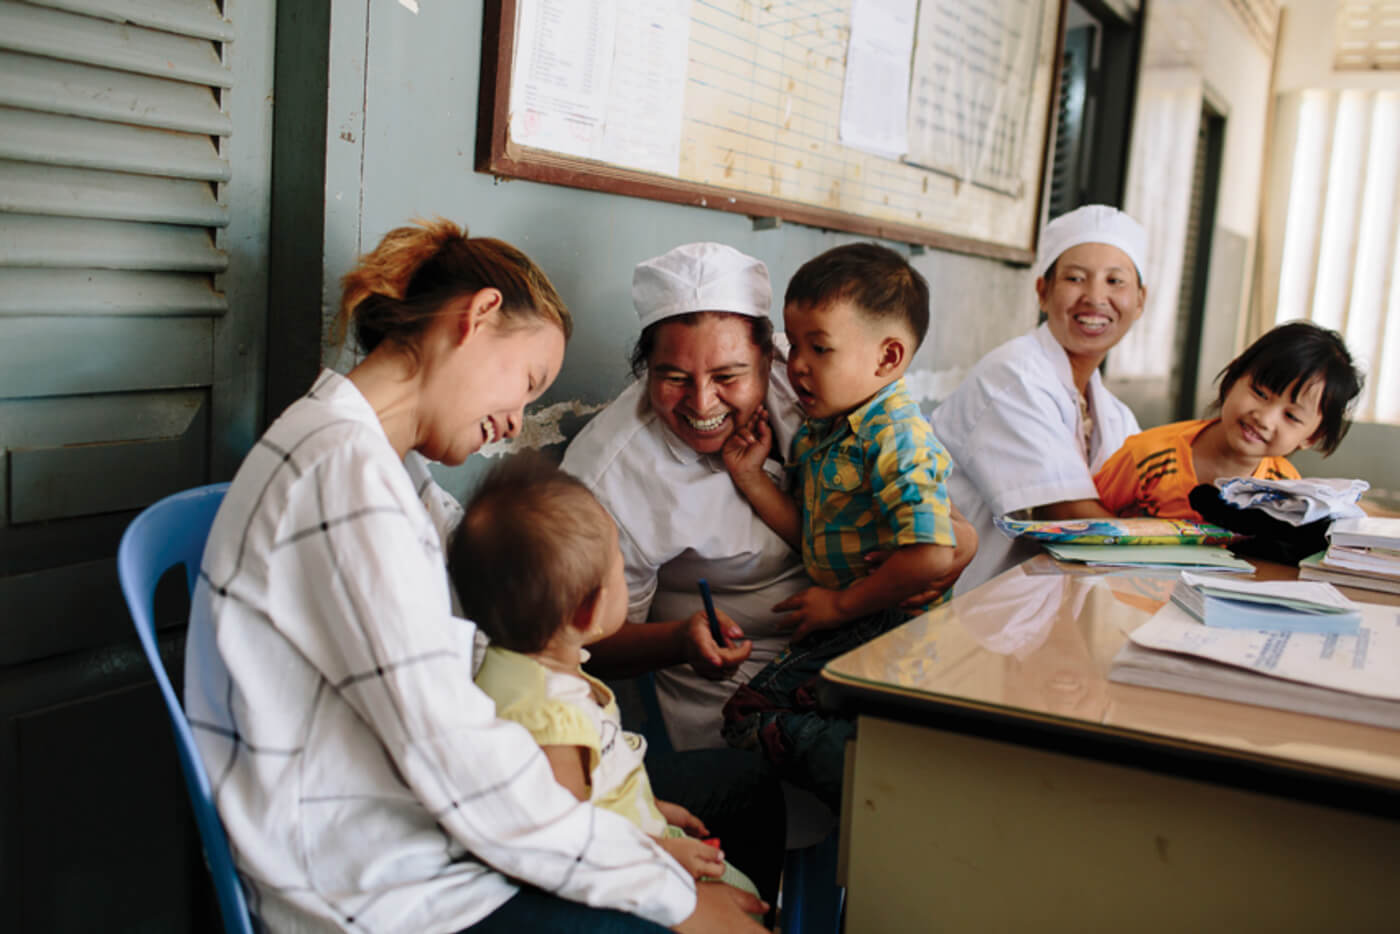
{"x":170,"y":532}
{"x":812,"y":901}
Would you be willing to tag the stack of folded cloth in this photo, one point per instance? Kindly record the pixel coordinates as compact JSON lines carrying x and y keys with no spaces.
{"x":1282,"y":520}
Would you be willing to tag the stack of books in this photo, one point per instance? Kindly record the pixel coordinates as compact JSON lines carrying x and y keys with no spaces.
{"x":1351,"y":672}
{"x":1273,"y":606}
{"x":1362,"y":552}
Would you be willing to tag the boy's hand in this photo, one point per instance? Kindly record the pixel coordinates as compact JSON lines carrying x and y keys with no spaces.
{"x":698,"y":858}
{"x":811,"y":610}
{"x":748,"y":447}
{"x":715,"y":662}
{"x":678,"y":816}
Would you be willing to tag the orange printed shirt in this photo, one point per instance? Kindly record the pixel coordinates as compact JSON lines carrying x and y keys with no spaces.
{"x":1153,"y":474}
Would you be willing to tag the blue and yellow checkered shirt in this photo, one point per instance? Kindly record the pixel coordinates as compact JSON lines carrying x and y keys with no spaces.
{"x":872,"y":480}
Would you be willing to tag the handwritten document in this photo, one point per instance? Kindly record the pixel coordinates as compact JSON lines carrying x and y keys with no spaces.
{"x":1366,"y":663}
{"x":602,"y":79}
{"x":974,"y":70}
{"x":875,"y":102}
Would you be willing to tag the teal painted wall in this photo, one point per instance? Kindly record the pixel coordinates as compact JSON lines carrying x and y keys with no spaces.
{"x":401,"y":138}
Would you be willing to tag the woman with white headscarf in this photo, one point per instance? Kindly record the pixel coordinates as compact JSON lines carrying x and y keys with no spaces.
{"x":1033,"y":421}
{"x":706,"y":360}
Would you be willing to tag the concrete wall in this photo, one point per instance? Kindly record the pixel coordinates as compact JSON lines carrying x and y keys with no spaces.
{"x":1195,"y":51}
{"x":401,"y":135}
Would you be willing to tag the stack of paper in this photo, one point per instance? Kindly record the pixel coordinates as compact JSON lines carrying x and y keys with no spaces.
{"x":1173,"y":557}
{"x":1354,"y":677}
{"x":1361,"y":553}
{"x":1276,"y":606}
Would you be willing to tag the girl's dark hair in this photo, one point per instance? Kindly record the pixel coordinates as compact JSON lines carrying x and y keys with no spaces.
{"x":532,"y":546}
{"x":760,"y":332}
{"x":1288,"y":359}
{"x":879,"y":282}
{"x":397,"y":288}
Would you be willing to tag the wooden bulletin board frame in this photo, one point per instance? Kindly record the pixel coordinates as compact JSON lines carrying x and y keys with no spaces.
{"x":500,"y":155}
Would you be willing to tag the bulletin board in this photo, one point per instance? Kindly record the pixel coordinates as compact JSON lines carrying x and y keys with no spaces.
{"x":923,"y":121}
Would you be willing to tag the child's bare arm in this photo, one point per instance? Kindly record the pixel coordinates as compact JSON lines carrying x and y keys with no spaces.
{"x":904,"y":573}
{"x":744,"y":454}
{"x":935,"y":587}
{"x":699,"y":858}
{"x":1072,"y":509}
{"x":570,"y":765}
{"x":678,"y":816}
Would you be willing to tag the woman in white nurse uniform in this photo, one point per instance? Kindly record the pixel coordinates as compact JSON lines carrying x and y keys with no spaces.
{"x":1032,"y":422}
{"x":705,"y":362}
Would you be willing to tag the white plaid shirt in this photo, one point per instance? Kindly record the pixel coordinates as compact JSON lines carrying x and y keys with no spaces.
{"x":365,"y":782}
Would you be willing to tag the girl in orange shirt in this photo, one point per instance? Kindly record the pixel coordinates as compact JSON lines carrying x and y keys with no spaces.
{"x":1290,"y":390}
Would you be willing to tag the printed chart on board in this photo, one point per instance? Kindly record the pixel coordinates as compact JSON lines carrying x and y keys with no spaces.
{"x":925,"y":113}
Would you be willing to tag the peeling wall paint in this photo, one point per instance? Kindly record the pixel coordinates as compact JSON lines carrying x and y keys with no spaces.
{"x":542,"y":428}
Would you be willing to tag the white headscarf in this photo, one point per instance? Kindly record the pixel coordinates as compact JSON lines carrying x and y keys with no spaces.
{"x":1093,"y":223}
{"x":700,"y":277}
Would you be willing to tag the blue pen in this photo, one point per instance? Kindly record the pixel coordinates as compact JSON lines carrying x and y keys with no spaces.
{"x":715,"y":632}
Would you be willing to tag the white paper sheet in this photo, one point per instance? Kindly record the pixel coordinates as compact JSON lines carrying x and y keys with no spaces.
{"x":974,"y":69}
{"x":1366,"y":663}
{"x":602,"y":79}
{"x":646,"y":96}
{"x":559,"y":83}
{"x":875,"y":102}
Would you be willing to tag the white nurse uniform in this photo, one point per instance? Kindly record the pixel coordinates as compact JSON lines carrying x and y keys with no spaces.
{"x":680,"y":518}
{"x":1015,"y":430}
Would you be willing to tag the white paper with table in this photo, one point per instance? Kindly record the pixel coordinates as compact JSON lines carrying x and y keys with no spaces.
{"x":1367,"y":663}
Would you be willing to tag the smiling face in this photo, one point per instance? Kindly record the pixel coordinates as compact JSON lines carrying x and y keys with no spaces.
{"x":837,"y":357}
{"x":1260,"y":423}
{"x":1091,"y":300}
{"x":476,"y":392}
{"x":705,"y":376}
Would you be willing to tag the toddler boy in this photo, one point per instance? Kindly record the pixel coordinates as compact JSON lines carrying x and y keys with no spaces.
{"x":869,"y":477}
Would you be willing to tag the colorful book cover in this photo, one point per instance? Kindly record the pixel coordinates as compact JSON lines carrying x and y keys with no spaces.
{"x":1136,"y":531}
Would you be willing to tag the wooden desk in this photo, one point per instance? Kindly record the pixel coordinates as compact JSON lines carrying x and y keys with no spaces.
{"x":1000,"y":782}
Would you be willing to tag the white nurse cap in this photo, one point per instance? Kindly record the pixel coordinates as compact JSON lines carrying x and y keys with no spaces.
{"x":1093,"y":223}
{"x":700,"y":277}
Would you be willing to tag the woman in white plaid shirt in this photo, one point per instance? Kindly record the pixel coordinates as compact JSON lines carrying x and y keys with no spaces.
{"x":364,"y":780}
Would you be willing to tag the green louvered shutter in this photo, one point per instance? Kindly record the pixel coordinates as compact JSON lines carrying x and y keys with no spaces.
{"x":115,"y":174}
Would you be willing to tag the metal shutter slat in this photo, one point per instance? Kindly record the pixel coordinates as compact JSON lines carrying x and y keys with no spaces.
{"x":27,"y":240}
{"x":108,"y":292}
{"x":68,"y":356}
{"x":31,"y":188}
{"x":131,"y":416}
{"x":83,"y":480}
{"x":103,"y":94}
{"x":94,"y":144}
{"x":187,"y":17}
{"x":70,"y":37}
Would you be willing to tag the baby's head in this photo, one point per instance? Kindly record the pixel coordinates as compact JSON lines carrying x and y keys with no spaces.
{"x":855,"y":315}
{"x":536,"y":553}
{"x":1291,"y":388}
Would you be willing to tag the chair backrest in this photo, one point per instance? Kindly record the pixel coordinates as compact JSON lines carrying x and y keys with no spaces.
{"x":170,"y":532}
